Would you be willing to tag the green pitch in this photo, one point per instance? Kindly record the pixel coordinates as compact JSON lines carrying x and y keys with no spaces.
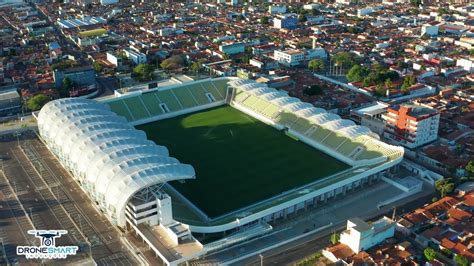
{"x":238,"y":159}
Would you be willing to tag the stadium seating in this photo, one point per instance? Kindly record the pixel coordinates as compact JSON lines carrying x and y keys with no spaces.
{"x":152,"y":104}
{"x":199,"y":93}
{"x":136,"y":108}
{"x":286,"y":119}
{"x":185,"y":97}
{"x":348,"y":147}
{"x":334,"y":140}
{"x":147,"y":105}
{"x":320,"y":134}
{"x":240,"y":96}
{"x":121,"y":109}
{"x":361,"y":148}
{"x":270,"y":111}
{"x":301,"y":125}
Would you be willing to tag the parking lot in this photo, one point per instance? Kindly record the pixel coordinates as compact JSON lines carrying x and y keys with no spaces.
{"x":37,"y":193}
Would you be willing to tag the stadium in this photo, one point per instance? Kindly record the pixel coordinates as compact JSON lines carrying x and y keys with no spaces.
{"x":209,"y":156}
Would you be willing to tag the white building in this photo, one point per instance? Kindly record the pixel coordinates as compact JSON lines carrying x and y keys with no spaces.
{"x":277,"y":9}
{"x":345,"y":2}
{"x":114,"y":60}
{"x":136,"y":57}
{"x":289,"y":57}
{"x":466,"y":64}
{"x":296,"y":56}
{"x":360,"y":235}
{"x":411,"y":125}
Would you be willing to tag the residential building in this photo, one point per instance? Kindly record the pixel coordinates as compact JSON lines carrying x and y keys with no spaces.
{"x":108,"y":2}
{"x":276,"y":9}
{"x":286,"y":21}
{"x":371,"y":116}
{"x":289,"y":57}
{"x":411,"y":125}
{"x":10,"y":102}
{"x":296,"y":56}
{"x":232,"y":48}
{"x":360,"y":235}
{"x":135,"y":56}
{"x":114,"y":59}
{"x":466,"y":64}
{"x":430,"y":30}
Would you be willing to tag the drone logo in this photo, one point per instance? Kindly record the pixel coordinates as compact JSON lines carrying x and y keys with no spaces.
{"x":47,"y":237}
{"x":47,"y":248}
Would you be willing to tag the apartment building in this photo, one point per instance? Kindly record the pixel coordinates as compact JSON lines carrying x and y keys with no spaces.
{"x":411,"y":125}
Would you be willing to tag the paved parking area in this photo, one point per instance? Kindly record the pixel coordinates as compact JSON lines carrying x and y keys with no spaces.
{"x":38,"y":193}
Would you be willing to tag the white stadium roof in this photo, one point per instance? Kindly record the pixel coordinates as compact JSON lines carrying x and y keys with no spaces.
{"x":316,"y":115}
{"x":112,"y":159}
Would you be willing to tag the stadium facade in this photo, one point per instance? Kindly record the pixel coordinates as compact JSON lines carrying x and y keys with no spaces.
{"x":126,"y":175}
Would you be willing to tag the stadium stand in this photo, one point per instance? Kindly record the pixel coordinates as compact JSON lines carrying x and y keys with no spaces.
{"x":327,"y":129}
{"x":338,"y":135}
{"x":157,"y":102}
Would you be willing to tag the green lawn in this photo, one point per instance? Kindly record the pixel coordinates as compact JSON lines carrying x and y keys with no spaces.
{"x":238,"y":159}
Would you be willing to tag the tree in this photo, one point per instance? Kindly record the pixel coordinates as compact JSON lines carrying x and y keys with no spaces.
{"x":430,"y":254}
{"x":37,"y":101}
{"x":388,"y":84}
{"x":470,"y":167}
{"x":174,"y":62}
{"x":264,"y":20}
{"x":335,"y":238}
{"x":196,"y":67}
{"x":64,"y":64}
{"x":380,"y":90}
{"x":67,"y":85}
{"x":357,"y":73}
{"x":444,"y":186}
{"x":316,"y":64}
{"x":415,"y":2}
{"x":344,"y":59}
{"x":143,"y":72}
{"x":461,"y":260}
{"x":302,"y":18}
{"x":97,"y":67}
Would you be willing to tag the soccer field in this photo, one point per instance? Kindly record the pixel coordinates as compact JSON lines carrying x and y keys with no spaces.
{"x":238,"y":159}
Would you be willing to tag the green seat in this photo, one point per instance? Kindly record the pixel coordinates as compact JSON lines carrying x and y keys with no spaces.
{"x":120,"y":108}
{"x":152,"y":103}
{"x":169,"y":99}
{"x":185,"y":97}
{"x":136,"y":107}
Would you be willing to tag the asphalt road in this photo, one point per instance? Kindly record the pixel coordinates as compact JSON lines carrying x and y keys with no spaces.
{"x":290,"y":254}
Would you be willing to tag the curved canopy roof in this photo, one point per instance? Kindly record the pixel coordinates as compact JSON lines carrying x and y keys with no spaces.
{"x":303,"y":109}
{"x":111,"y":158}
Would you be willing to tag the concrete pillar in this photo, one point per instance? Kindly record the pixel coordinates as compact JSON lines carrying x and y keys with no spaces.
{"x":285,"y":213}
{"x":274,"y":217}
{"x":344,"y":188}
{"x":306,"y":205}
{"x":315,"y":201}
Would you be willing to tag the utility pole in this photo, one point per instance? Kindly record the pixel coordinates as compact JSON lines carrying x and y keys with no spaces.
{"x":261,"y":259}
